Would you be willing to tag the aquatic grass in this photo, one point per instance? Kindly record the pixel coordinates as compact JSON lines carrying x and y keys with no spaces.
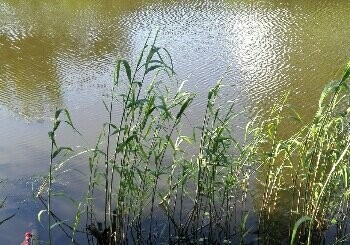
{"x":130,"y":137}
{"x":2,"y":205}
{"x":53,"y":172}
{"x":55,"y":150}
{"x":216,"y":185}
{"x":317,"y":155}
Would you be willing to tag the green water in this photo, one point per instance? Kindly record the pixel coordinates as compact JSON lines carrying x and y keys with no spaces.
{"x":61,"y":53}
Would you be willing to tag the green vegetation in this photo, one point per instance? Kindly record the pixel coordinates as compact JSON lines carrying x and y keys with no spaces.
{"x":215,"y":185}
{"x":2,"y":204}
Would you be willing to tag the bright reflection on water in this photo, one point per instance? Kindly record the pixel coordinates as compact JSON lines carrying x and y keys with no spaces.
{"x":61,"y":53}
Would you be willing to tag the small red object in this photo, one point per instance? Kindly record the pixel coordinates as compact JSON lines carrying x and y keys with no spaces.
{"x":27,"y":237}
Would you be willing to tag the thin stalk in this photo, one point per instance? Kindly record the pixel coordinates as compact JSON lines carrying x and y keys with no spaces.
{"x":330,"y":175}
{"x":49,"y":190}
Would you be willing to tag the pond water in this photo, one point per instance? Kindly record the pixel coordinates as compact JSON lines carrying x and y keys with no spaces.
{"x":61,"y":54}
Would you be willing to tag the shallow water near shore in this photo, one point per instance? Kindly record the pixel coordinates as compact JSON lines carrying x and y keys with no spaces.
{"x":61,"y":53}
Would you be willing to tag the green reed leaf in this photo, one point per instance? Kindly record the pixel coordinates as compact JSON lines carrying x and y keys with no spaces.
{"x":40,"y":213}
{"x":184,"y":107}
{"x":56,"y":152}
{"x":6,"y":219}
{"x":57,"y":223}
{"x":346,"y":74}
{"x":56,"y":124}
{"x":139,"y":102}
{"x":151,"y":53}
{"x":149,"y":69}
{"x":127,"y":70}
{"x":57,"y":113}
{"x":296,"y":226}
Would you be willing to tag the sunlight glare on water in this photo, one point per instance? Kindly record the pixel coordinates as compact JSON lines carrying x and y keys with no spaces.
{"x":62,"y":53}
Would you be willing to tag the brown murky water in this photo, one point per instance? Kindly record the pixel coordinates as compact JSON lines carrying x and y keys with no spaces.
{"x":61,"y":53}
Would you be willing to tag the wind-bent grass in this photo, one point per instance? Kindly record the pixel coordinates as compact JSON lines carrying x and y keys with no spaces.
{"x":155,"y":190}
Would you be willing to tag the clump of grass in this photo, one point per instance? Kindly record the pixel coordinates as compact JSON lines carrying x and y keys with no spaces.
{"x":156,"y":190}
{"x":312,"y":166}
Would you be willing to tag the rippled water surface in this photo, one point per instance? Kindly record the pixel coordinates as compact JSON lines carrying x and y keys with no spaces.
{"x":61,"y":53}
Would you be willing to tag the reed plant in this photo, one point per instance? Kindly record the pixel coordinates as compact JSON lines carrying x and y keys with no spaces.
{"x":312,"y":167}
{"x":2,"y":205}
{"x":216,"y":185}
